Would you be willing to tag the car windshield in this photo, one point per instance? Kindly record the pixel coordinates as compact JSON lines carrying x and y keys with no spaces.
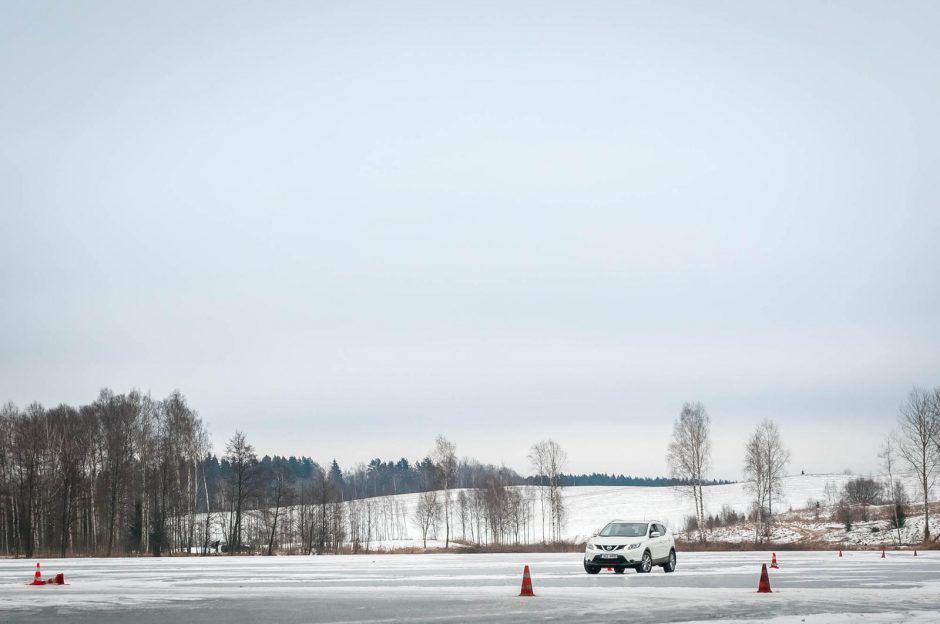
{"x":624,"y":529}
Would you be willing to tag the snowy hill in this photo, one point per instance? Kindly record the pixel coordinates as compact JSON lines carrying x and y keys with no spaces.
{"x":389,"y":522}
{"x":591,"y":507}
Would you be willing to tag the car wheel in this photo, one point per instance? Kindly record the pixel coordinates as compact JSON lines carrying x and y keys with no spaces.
{"x":646,"y":563}
{"x":591,"y":569}
{"x":670,"y":566}
{"x":619,"y":570}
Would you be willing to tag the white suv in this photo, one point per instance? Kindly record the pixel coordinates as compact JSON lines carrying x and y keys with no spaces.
{"x":624,"y":544}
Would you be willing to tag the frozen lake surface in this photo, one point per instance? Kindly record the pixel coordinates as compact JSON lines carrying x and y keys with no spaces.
{"x":707,"y":587}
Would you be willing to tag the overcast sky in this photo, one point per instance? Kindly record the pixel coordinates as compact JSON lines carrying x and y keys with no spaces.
{"x":346,"y":227}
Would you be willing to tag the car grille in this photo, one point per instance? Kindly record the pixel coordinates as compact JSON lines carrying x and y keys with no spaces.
{"x":611,"y":548}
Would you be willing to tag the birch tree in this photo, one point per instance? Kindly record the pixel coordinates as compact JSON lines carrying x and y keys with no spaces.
{"x":445,"y":461}
{"x":919,"y":431}
{"x":538,"y":462}
{"x":689,"y":455}
{"x":549,"y":460}
{"x":888,"y":462}
{"x":765,"y":461}
{"x":426,"y":513}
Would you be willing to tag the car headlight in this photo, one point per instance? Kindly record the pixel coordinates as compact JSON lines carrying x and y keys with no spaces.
{"x":590,"y":546}
{"x":632,"y":546}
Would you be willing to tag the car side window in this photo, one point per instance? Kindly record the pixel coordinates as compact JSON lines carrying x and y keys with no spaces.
{"x":661,"y":529}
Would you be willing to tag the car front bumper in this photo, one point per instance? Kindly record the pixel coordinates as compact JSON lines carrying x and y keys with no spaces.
{"x":623,"y":557}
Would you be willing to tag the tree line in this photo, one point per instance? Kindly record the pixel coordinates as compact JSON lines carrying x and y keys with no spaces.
{"x":130,"y":474}
{"x":119,"y":475}
{"x":389,"y":478}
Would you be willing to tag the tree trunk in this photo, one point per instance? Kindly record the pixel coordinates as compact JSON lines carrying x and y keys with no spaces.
{"x":926,"y":488}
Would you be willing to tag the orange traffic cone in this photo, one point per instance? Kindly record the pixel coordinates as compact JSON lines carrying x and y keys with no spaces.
{"x":58,"y":580}
{"x":764,"y":586}
{"x":773,"y":562}
{"x":37,"y":577}
{"x":526,"y":583}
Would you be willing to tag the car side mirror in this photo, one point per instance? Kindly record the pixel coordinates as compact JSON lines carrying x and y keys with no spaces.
{"x":595,"y":533}
{"x":656,"y":534}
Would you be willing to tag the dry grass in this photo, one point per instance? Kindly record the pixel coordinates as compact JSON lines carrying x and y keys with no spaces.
{"x":681,"y":546}
{"x":684,"y":546}
{"x":558,"y":547}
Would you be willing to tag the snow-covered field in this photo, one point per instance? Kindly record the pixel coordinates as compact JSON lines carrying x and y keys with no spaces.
{"x":591,"y":507}
{"x":707,"y":587}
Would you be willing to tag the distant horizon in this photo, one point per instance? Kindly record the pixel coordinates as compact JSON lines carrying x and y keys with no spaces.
{"x":519,"y":465}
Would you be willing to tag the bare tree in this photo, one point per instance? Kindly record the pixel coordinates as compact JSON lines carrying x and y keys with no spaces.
{"x":426,"y":513}
{"x":201,"y":449}
{"x":241,"y":456}
{"x":119,"y":416}
{"x":280,"y":488}
{"x":765,"y":461}
{"x":539,"y":462}
{"x":919,"y":431}
{"x":550,"y":459}
{"x":888,"y":455}
{"x":445,"y":462}
{"x":68,"y":442}
{"x":27,"y":453}
{"x":689,"y":455}
{"x":462,"y":507}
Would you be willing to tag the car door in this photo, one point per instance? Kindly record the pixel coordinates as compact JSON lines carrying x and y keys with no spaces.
{"x":652,"y":542}
{"x":658,"y":544}
{"x":663,"y":542}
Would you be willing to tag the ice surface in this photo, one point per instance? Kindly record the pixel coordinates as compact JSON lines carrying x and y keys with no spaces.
{"x":708,"y":587}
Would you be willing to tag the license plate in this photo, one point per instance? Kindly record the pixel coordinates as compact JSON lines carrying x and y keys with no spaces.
{"x":608,"y":556}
